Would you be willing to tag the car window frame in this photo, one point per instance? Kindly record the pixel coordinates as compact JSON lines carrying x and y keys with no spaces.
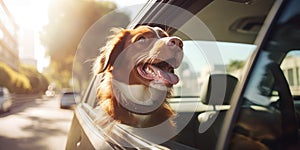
{"x":237,"y":98}
{"x":89,"y":95}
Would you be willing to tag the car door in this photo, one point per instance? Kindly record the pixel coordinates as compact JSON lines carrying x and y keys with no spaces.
{"x":90,"y":128}
{"x":82,"y":133}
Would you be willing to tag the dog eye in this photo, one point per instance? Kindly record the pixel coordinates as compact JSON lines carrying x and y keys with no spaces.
{"x":140,"y":39}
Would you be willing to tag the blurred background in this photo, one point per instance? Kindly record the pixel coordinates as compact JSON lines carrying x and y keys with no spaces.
{"x":39,"y":40}
{"x":47,"y":48}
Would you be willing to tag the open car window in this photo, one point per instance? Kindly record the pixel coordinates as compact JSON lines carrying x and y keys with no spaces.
{"x":203,"y":58}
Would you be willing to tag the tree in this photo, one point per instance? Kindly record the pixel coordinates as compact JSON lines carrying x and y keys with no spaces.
{"x":13,"y":80}
{"x":68,"y":22}
{"x":235,"y":65}
{"x":38,"y":81}
{"x":27,"y":80}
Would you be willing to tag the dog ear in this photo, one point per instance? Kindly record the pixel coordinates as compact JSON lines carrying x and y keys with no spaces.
{"x":110,"y":52}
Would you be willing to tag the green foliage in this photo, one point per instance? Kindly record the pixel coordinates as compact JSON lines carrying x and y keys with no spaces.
{"x":27,"y":81}
{"x":235,"y":65}
{"x":68,"y":22}
{"x":14,"y":81}
{"x":38,"y":82}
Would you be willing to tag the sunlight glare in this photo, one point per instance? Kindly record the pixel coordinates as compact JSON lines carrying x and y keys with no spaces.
{"x":29,"y":14}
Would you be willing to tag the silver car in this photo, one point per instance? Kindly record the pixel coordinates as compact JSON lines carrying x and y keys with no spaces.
{"x":5,"y":99}
{"x":68,"y":99}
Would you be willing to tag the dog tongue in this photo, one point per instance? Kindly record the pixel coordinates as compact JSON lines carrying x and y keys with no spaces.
{"x":159,"y":75}
{"x":171,"y":78}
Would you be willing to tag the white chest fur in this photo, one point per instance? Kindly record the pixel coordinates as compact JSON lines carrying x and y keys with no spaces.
{"x":139,"y":94}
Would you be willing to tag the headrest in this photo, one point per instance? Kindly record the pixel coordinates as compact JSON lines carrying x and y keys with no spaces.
{"x":218,"y":89}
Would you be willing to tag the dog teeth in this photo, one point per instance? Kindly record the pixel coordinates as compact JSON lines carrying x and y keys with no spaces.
{"x":150,"y":71}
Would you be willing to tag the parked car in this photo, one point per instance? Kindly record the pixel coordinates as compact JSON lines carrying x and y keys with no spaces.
{"x":69,"y":99}
{"x":239,"y":81}
{"x":5,"y":99}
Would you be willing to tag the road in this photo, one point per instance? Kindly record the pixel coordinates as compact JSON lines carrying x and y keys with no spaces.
{"x":37,"y":124}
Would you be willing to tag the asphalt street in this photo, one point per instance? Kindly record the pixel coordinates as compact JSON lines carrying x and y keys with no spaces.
{"x":36,"y":124}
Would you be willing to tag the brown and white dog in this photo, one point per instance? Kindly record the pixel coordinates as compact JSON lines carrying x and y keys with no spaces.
{"x":138,"y":67}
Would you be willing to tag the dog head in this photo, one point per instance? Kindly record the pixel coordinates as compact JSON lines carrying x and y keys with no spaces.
{"x":141,"y":62}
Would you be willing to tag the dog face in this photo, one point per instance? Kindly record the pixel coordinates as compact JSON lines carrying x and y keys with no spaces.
{"x":147,"y":52}
{"x":141,"y":63}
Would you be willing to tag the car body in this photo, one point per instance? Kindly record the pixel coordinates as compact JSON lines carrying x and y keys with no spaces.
{"x":5,"y":99}
{"x":69,"y":99}
{"x":240,"y":79}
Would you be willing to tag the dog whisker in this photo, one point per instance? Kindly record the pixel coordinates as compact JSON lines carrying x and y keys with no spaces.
{"x":142,"y":59}
{"x":152,"y":59}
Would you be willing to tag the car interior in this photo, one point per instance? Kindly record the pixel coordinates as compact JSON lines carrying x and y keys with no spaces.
{"x":205,"y":125}
{"x":269,"y":117}
{"x":241,"y":27}
{"x":239,"y":21}
{"x":204,"y":22}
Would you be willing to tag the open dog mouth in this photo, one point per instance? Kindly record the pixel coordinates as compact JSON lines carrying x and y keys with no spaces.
{"x":160,"y":73}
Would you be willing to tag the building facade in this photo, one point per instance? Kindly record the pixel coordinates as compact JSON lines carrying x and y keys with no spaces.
{"x":291,"y":69}
{"x":9,"y":49}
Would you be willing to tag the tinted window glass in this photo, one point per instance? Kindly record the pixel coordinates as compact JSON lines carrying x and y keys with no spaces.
{"x":267,"y":116}
{"x":1,"y":92}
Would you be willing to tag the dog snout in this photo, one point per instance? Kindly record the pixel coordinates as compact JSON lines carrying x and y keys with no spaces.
{"x":175,"y":42}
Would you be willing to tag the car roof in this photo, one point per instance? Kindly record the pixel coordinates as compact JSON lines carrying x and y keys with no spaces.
{"x":240,"y":20}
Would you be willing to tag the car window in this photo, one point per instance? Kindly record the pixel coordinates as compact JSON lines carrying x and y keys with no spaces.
{"x":291,"y":68}
{"x":90,"y":96}
{"x":269,"y":110}
{"x":1,"y":92}
{"x":4,"y":92}
{"x":203,"y":58}
{"x":69,"y":93}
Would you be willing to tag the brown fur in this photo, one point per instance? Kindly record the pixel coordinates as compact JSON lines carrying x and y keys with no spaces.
{"x":119,"y":41}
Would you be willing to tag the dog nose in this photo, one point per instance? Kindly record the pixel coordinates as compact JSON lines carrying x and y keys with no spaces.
{"x":175,"y":42}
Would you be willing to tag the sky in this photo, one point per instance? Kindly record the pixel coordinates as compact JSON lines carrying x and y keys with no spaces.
{"x":31,"y":15}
